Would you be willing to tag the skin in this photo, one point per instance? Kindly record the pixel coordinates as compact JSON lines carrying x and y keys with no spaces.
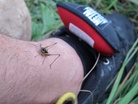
{"x":24,"y":79}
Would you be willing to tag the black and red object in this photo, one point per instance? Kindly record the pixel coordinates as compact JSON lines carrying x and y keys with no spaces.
{"x":90,"y":26}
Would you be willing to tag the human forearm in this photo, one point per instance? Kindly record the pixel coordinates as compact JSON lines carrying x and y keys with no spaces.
{"x":25,"y":79}
{"x":17,"y":74}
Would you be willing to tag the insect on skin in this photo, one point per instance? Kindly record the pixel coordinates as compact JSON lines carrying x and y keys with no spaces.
{"x":44,"y":52}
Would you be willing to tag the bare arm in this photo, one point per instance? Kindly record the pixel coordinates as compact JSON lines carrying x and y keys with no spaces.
{"x":25,"y":79}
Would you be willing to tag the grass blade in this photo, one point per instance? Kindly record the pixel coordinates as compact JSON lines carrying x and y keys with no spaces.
{"x":129,"y":96}
{"x":116,"y":84}
{"x":112,"y":4}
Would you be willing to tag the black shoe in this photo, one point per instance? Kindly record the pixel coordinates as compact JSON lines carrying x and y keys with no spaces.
{"x":114,"y":29}
{"x":108,"y":67}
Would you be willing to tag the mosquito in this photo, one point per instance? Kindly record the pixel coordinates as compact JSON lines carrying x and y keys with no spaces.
{"x":44,"y":52}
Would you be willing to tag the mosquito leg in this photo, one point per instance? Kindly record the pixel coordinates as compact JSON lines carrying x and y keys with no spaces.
{"x":50,"y":46}
{"x":43,"y":61}
{"x":54,"y":59}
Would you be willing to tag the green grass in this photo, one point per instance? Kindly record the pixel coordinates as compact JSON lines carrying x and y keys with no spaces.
{"x":45,"y":19}
{"x":119,"y":88}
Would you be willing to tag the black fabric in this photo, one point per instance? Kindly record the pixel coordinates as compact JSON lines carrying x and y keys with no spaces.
{"x":86,"y":54}
{"x":108,"y":67}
